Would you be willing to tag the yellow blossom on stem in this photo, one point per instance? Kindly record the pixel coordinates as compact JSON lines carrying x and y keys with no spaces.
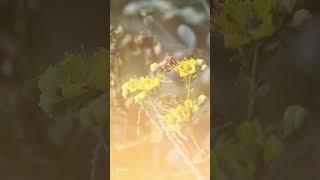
{"x":188,"y":67}
{"x":182,"y":112}
{"x":141,"y":87}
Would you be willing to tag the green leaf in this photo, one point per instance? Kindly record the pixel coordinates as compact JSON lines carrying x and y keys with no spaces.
{"x":69,"y":92}
{"x":250,"y":133}
{"x":98,"y":70}
{"x":300,"y":17}
{"x":48,"y":100}
{"x":225,"y":149}
{"x":94,"y":113}
{"x":74,"y":68}
{"x":223,"y":25}
{"x":287,"y":5}
{"x":237,"y":10}
{"x":266,"y":29}
{"x":273,"y":148}
{"x":74,"y":76}
{"x":262,"y":7}
{"x":73,"y":90}
{"x":237,"y":158}
{"x":242,"y":22}
{"x":294,"y":118}
{"x":235,"y":40}
{"x":48,"y":81}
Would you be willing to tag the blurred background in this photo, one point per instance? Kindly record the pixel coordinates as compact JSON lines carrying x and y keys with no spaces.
{"x":288,"y":91}
{"x":33,"y":35}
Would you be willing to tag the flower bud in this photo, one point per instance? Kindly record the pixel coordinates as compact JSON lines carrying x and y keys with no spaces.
{"x":154,"y":67}
{"x":199,"y":62}
{"x":203,"y":67}
{"x":202,"y":99}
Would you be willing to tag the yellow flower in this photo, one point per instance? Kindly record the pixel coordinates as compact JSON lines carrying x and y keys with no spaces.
{"x":181,"y":113}
{"x":187,"y":67}
{"x":140,"y":88}
{"x":191,"y":106}
{"x":173,"y":118}
{"x":129,"y":87}
{"x":148,"y":84}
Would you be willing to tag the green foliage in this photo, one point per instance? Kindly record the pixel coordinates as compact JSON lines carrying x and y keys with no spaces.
{"x":300,"y":17}
{"x":239,"y":152}
{"x":48,"y":85}
{"x":294,"y":119}
{"x":248,"y":26}
{"x":242,"y":22}
{"x":77,"y":84}
{"x":250,"y":133}
{"x":94,"y":112}
{"x":273,"y":148}
{"x":73,"y":82}
{"x":286,"y":6}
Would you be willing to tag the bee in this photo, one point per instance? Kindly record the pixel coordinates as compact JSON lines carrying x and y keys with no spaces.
{"x":168,"y":63}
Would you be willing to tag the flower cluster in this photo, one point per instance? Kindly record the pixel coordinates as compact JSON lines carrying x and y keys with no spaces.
{"x":242,"y":22}
{"x":188,"y":67}
{"x":141,"y":87}
{"x":183,"y":112}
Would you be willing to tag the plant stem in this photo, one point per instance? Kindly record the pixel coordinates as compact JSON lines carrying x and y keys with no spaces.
{"x":95,"y":158}
{"x":173,"y":139}
{"x":252,"y":83}
{"x":125,"y":128}
{"x":189,"y":86}
{"x":138,"y":121}
{"x":196,"y":142}
{"x":83,"y":51}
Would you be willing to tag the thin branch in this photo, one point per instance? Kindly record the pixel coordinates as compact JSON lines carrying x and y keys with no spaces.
{"x":95,"y":158}
{"x":138,"y":121}
{"x":252,"y":83}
